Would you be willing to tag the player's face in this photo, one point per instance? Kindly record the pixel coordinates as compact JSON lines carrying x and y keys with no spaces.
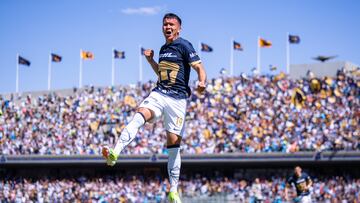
{"x":171,"y":29}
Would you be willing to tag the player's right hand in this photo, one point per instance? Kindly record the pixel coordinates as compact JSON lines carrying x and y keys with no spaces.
{"x":149,"y":54}
{"x":201,"y":86}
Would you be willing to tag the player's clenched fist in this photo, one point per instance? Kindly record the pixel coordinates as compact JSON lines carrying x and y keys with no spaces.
{"x":201,"y":86}
{"x":149,"y":54}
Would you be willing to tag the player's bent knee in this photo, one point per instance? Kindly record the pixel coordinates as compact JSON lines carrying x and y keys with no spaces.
{"x":146,"y":113}
{"x":173,"y":139}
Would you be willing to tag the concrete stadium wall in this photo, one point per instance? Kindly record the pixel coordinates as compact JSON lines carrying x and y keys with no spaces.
{"x":320,"y":70}
{"x":238,"y":159}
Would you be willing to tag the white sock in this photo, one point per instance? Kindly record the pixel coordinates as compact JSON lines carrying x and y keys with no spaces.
{"x":174,"y":165}
{"x":129,"y":132}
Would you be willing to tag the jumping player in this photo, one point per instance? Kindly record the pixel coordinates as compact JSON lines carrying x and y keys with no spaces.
{"x":168,"y":99}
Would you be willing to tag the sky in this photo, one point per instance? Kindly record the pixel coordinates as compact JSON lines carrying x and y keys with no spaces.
{"x":35,"y":28}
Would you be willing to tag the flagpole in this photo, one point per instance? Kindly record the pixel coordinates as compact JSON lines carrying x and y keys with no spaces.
{"x":140,"y":65}
{"x":232,"y":57}
{"x":49,"y":72}
{"x":80,"y":71}
{"x":287,"y":54}
{"x":258,"y":55}
{"x":112,"y":68}
{"x":17,"y":73}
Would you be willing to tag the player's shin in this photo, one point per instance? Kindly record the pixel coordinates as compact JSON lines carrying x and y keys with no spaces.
{"x":129,"y":133}
{"x":174,"y":165}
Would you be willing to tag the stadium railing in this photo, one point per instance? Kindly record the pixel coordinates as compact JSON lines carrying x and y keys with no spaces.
{"x":239,"y":159}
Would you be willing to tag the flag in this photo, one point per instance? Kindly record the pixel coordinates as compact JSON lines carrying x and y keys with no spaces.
{"x":315,"y":85}
{"x":142,"y":51}
{"x":273,"y":68}
{"x":206,"y":48}
{"x":294,"y":39}
{"x":237,"y":46}
{"x":119,"y":54}
{"x":264,"y":43}
{"x":55,"y":58}
{"x":23,"y":61}
{"x":298,"y":98}
{"x":87,"y":55}
{"x":223,"y":71}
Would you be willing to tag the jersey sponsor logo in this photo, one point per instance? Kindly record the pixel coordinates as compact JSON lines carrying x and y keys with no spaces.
{"x":300,"y":181}
{"x":167,"y":55}
{"x":193,"y":54}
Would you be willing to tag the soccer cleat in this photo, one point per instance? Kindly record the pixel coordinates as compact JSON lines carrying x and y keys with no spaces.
{"x":174,"y":197}
{"x":109,"y":155}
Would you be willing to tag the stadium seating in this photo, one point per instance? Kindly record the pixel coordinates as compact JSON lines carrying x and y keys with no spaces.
{"x":249,"y":114}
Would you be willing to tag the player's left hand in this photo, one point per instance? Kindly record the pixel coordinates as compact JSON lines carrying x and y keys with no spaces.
{"x":201,"y":86}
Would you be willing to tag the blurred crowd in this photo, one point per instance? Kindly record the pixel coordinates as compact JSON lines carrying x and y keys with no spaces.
{"x":144,"y":189}
{"x":257,"y":113}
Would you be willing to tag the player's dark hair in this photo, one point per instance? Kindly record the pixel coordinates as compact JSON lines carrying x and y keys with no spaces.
{"x":172,"y":15}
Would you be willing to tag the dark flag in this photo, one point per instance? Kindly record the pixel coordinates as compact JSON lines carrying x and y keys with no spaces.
{"x":142,"y":51}
{"x":223,"y":71}
{"x":206,"y":48}
{"x":294,"y":39}
{"x":237,"y":46}
{"x":272,"y":68}
{"x":55,"y":58}
{"x":119,"y":54}
{"x":23,"y":61}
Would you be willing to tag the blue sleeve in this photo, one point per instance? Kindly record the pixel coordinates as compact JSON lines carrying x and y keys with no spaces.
{"x":189,"y":52}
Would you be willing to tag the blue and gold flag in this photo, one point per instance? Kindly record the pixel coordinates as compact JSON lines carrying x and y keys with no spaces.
{"x":119,"y":54}
{"x":237,"y":46}
{"x":23,"y":61}
{"x":55,"y":58}
{"x":142,"y":50}
{"x":206,"y":48}
{"x":294,"y":39}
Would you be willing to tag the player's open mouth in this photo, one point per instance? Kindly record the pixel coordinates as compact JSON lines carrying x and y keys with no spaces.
{"x":168,"y":32}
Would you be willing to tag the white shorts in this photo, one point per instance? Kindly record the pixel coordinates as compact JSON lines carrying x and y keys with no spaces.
{"x":306,"y":199}
{"x":172,"y":110}
{"x":303,"y":199}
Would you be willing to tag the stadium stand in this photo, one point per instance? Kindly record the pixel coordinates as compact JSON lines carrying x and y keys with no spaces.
{"x":198,"y":184}
{"x":247,"y":132}
{"x":238,"y":114}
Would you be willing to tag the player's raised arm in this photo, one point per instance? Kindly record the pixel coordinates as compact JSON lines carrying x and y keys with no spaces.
{"x":149,"y":55}
{"x":308,"y":182}
{"x":199,"y":68}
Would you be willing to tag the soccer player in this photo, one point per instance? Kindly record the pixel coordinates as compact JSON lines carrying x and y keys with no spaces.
{"x":168,"y":99}
{"x":302,"y":183}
